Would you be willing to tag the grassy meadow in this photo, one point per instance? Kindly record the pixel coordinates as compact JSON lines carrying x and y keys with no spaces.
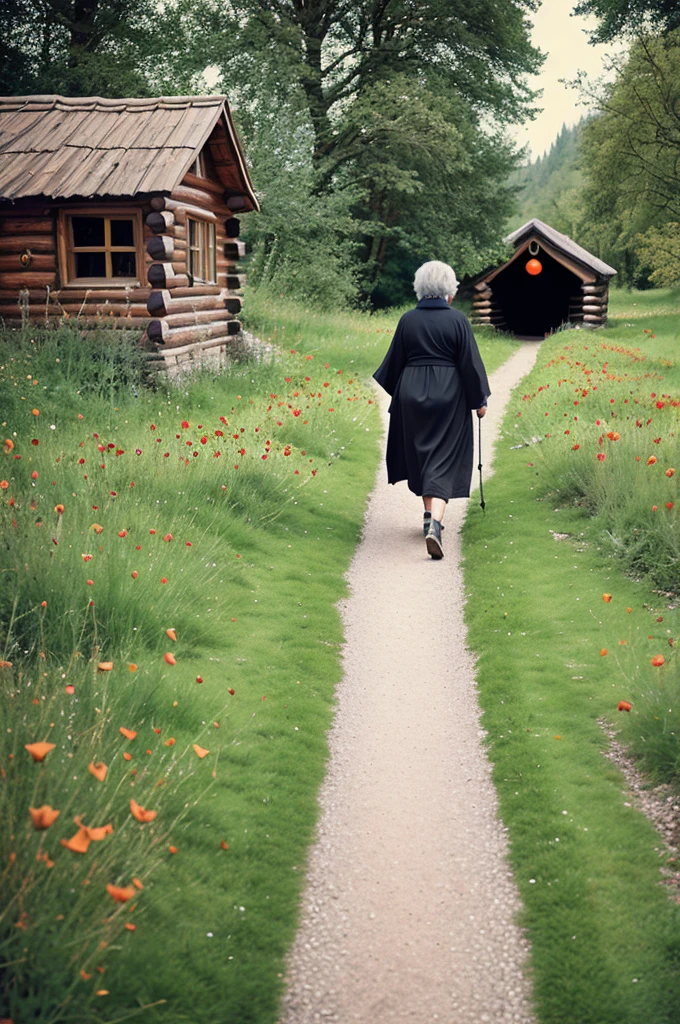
{"x":171,"y":561}
{"x":572,"y":579}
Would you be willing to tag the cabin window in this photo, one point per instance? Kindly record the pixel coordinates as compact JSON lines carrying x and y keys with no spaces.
{"x":201,"y":263}
{"x":198,"y":167}
{"x":100,"y":247}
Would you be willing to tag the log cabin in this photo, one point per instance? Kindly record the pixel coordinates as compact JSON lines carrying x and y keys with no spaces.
{"x":124,"y":209}
{"x":548,"y":281}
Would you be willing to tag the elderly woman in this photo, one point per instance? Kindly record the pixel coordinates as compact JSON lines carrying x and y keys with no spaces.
{"x":435,"y":374}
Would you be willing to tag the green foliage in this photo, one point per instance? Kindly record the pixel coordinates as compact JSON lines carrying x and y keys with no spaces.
{"x":102,"y":47}
{"x":393,"y":115}
{"x":631,"y":159}
{"x":254,"y":558}
{"x":627,"y":17}
{"x":550,"y":187}
{"x":659,"y":249}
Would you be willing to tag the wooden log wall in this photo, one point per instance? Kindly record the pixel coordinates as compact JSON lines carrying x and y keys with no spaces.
{"x":485,"y":309}
{"x":165,"y":306}
{"x":595,"y":303}
{"x":184,"y":314}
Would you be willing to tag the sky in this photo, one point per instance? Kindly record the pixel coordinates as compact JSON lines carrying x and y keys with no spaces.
{"x":564,"y":38}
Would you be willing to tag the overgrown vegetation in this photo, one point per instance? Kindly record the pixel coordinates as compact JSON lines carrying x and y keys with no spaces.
{"x":170,"y":566}
{"x":564,"y":639}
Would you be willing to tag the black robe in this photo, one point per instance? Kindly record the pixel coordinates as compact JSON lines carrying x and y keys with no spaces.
{"x":435,"y":374}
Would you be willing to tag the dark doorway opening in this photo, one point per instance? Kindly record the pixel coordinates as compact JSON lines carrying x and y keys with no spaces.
{"x":534,"y":305}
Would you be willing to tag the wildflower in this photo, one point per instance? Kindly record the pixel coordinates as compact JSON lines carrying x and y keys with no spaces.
{"x":601,"y":456}
{"x":199,"y":679}
{"x":651,"y":460}
{"x":129,"y":734}
{"x":669,"y":505}
{"x":105,"y":666}
{"x":170,"y":742}
{"x":122,"y":533}
{"x":658,"y":660}
{"x":120,"y":894}
{"x":43,"y":817}
{"x":167,"y":538}
{"x":624,"y":705}
{"x":79,"y":843}
{"x":98,"y":769}
{"x":39,"y":751}
{"x":670,"y":472}
{"x":140,"y":813}
{"x":225,"y":846}
{"x":134,"y":574}
{"x":4,"y":484}
{"x":172,"y":849}
{"x":200,"y":751}
{"x":171,"y":633}
{"x":36,"y":412}
{"x":606,"y":598}
{"x":86,"y":558}
{"x":614,"y":435}
{"x":185,"y":425}
{"x":9,"y":445}
{"x":164,"y":579}
{"x":603,"y":652}
{"x":169,"y":658}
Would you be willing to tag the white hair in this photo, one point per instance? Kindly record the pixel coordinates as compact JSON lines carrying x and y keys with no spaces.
{"x":435,"y":280}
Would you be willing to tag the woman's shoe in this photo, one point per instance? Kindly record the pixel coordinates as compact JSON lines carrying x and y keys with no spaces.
{"x":433,"y":540}
{"x":427,"y":518}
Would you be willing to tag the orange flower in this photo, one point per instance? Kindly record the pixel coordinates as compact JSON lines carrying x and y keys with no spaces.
{"x":614,"y":435}
{"x":78,"y":843}
{"x":651,"y":460}
{"x":9,"y":445}
{"x":167,"y":538}
{"x":98,"y":769}
{"x":97,"y":834}
{"x":225,"y":846}
{"x":39,"y":751}
{"x":129,"y":734}
{"x":624,"y":705}
{"x":606,"y":598}
{"x":4,"y":484}
{"x":85,"y":976}
{"x":130,"y":927}
{"x":122,"y":533}
{"x":603,"y":652}
{"x":119,"y":893}
{"x":128,"y":757}
{"x":35,"y":412}
{"x":43,"y":816}
{"x":670,"y":472}
{"x":97,"y":528}
{"x":132,"y":666}
{"x":200,"y":751}
{"x":59,"y":509}
{"x":171,"y":742}
{"x":5,"y":664}
{"x":171,"y":633}
{"x":170,"y":658}
{"x":172,"y":849}
{"x":140,"y":813}
{"x":105,"y":666}
{"x":136,"y":882}
{"x":629,"y":610}
{"x":658,"y":660}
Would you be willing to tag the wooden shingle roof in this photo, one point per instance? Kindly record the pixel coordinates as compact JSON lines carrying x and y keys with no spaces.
{"x":64,"y":147}
{"x":566,"y":245}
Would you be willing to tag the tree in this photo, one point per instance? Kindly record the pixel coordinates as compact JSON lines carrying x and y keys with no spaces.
{"x":100,"y":47}
{"x":629,"y":17}
{"x":406,"y":102}
{"x":631,"y":155}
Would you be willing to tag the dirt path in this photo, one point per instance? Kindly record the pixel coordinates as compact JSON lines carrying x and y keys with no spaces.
{"x":409,"y":907}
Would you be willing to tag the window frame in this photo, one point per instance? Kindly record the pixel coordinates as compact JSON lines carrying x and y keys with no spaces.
{"x":206,"y":252}
{"x":67,"y":250}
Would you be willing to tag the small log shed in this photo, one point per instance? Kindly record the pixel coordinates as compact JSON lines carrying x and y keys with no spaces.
{"x":548,"y":281}
{"x":123,"y":209}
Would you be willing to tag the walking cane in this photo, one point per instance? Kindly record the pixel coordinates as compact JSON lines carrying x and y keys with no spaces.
{"x":479,"y":467}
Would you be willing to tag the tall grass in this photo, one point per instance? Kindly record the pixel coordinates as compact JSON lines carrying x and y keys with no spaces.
{"x":170,"y":566}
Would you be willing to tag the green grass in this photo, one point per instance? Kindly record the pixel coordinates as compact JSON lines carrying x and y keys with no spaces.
{"x":253,"y":605}
{"x":355,"y":340}
{"x":605,"y":935}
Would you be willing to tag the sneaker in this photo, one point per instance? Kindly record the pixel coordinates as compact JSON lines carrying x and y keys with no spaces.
{"x":427,"y":517}
{"x":433,"y":540}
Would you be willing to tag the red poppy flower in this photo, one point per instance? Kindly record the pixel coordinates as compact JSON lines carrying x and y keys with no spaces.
{"x":658,"y":660}
{"x":624,"y":705}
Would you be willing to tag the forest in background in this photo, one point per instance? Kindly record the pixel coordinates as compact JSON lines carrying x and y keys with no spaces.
{"x":377,"y":130}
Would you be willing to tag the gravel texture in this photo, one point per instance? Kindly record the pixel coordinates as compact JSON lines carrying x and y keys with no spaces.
{"x":409,"y":908}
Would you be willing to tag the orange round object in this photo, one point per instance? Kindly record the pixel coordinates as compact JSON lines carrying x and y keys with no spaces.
{"x":534,"y":267}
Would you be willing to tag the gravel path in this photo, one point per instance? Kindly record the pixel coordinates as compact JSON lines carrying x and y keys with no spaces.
{"x":409,"y":909}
